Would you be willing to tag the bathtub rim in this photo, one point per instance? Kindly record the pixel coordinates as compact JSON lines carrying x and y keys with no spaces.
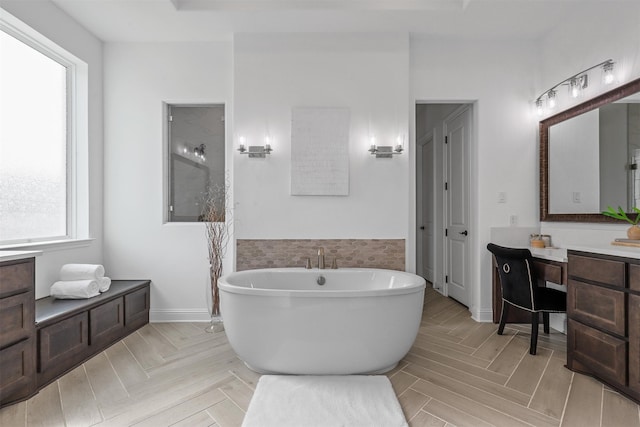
{"x":418,"y":286}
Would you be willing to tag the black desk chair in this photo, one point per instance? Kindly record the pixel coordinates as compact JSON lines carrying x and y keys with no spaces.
{"x":520,"y":289}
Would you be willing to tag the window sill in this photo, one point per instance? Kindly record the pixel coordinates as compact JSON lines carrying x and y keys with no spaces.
{"x":54,"y":245}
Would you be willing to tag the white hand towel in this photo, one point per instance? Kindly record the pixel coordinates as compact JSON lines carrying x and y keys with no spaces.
{"x":81,"y":271}
{"x":104,"y":283}
{"x":75,"y":289}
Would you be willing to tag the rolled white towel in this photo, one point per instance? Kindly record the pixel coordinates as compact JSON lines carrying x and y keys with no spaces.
{"x":74,"y":289}
{"x":81,"y":271}
{"x":104,"y":283}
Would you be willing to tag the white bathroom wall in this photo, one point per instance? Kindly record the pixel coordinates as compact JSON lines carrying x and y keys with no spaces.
{"x":50,"y":21}
{"x":366,"y":73}
{"x":139,"y":77}
{"x":571,"y":48}
{"x":497,"y":78}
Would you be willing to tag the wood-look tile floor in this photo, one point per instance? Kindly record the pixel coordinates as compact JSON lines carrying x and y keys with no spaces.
{"x":459,"y":372}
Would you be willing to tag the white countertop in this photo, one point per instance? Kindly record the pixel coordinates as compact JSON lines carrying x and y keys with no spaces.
{"x":621,"y":251}
{"x":551,"y":254}
{"x":12,"y":255}
{"x":560,"y":254}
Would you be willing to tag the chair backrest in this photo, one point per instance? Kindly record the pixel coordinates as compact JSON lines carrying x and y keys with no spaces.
{"x":517,"y":277}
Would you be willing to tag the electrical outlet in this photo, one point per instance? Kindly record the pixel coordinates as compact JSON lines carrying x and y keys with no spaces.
{"x":513,"y":220}
{"x":576,"y":197}
{"x":502,"y":197}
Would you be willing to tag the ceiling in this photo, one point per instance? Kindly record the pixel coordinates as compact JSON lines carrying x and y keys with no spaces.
{"x":203,"y":20}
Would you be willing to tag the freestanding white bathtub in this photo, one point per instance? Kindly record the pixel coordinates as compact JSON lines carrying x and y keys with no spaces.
{"x":359,"y":321}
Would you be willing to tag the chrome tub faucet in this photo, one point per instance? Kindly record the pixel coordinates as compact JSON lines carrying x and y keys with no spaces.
{"x":321,"y":258}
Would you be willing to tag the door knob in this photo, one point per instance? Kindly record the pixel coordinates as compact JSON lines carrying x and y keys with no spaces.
{"x":464,"y":233}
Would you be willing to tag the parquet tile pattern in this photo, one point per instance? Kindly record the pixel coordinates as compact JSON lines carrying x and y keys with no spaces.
{"x":458,"y":373}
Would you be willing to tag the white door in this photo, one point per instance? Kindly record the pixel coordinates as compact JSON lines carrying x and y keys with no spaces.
{"x":457,"y":134}
{"x":427,"y":227}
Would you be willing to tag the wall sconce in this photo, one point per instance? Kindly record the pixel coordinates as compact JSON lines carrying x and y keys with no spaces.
{"x":385,"y":151}
{"x":255,"y":151}
{"x":576,"y":84}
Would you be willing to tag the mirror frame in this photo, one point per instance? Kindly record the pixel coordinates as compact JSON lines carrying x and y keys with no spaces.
{"x":606,"y":98}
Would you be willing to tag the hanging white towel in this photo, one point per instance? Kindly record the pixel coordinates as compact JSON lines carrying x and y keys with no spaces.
{"x":74,"y":289}
{"x":104,"y":283}
{"x":81,"y":271}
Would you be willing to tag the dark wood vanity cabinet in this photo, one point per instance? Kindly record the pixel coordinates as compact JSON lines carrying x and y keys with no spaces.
{"x":603,"y":319}
{"x":41,"y":340}
{"x":71,"y":331}
{"x":17,"y":330}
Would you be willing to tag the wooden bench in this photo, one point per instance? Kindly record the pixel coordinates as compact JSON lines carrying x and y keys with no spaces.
{"x":71,"y":331}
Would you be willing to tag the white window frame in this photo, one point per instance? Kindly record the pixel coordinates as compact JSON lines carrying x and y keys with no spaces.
{"x":77,"y":137}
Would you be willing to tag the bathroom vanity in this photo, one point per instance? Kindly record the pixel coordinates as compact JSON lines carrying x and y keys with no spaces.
{"x":603,"y":310}
{"x":603,"y":316}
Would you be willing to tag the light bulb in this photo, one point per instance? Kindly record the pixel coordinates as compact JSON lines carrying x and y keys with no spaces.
{"x":608,"y":73}
{"x":574,"y":88}
{"x":539,"y":108}
{"x":551,"y":99}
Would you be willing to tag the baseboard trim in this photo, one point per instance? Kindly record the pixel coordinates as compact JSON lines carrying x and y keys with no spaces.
{"x":484,"y":316}
{"x":179,"y":315}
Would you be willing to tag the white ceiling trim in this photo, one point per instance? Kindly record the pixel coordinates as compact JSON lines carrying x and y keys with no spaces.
{"x":293,"y":5}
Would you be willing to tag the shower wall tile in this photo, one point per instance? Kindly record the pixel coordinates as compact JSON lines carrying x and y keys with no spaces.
{"x":363,"y":253}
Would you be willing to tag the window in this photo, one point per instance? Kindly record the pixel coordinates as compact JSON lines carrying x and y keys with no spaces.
{"x":38,"y":137}
{"x":196,"y":158}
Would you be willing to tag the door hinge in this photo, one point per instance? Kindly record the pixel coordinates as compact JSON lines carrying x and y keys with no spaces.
{"x":446,"y":186}
{"x":446,"y":279}
{"x":170,"y":118}
{"x":446,"y":232}
{"x":170,"y":208}
{"x":446,"y":139}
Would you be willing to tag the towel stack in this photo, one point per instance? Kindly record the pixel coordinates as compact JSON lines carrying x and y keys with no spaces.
{"x":78,"y":281}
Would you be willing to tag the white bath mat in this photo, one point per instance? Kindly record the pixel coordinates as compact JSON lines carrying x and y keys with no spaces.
{"x":324,"y":401}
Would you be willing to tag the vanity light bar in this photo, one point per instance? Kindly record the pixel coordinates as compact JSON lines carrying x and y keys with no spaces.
{"x":576,"y":84}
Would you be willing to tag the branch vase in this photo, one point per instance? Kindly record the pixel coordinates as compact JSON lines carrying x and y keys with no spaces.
{"x":213,"y":302}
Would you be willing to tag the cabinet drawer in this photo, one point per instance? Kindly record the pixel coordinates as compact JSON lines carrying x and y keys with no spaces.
{"x":548,"y":272}
{"x":18,"y":371}
{"x":107,"y":322}
{"x":62,"y":345}
{"x":136,"y":308}
{"x":596,"y":306}
{"x":634,"y":277}
{"x":603,"y":354}
{"x":16,"y":277}
{"x":17,"y":319}
{"x":599,"y":270}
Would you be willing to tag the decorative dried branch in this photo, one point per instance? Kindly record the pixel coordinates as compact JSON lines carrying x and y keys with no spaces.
{"x":217,"y":217}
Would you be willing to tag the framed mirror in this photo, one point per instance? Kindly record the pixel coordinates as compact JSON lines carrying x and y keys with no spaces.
{"x":590,"y":157}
